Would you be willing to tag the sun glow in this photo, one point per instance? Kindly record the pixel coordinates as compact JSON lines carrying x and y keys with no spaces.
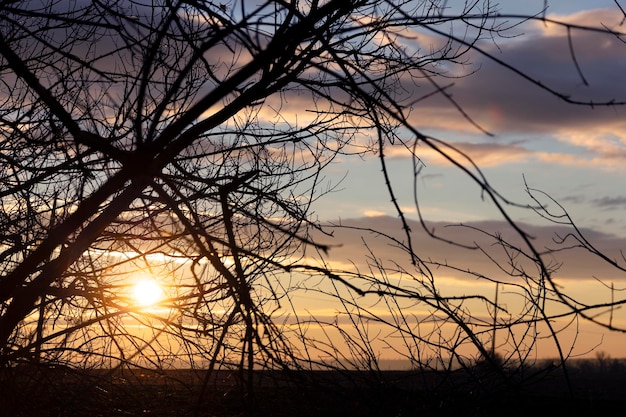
{"x":147,"y":292}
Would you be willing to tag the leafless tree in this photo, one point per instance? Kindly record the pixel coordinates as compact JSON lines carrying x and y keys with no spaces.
{"x":157,"y":138}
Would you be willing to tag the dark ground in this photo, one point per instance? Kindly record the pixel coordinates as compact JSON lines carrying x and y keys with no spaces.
{"x":61,"y":392}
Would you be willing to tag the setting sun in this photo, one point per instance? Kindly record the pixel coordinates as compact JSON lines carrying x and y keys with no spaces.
{"x":147,"y":292}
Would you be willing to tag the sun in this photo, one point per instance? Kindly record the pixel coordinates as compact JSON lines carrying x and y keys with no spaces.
{"x":147,"y":292}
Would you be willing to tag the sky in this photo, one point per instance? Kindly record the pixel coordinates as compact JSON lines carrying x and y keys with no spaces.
{"x":574,"y":154}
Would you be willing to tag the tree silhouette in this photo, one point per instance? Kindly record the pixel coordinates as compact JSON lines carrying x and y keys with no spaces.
{"x":159,"y":138}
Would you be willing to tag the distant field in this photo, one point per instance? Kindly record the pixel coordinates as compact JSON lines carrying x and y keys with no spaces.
{"x":42,"y":391}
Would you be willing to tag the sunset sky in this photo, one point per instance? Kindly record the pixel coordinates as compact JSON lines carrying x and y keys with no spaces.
{"x":575,"y":154}
{"x":573,"y":157}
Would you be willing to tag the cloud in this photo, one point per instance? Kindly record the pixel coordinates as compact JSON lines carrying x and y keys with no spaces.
{"x":503,"y":102}
{"x":373,"y":213}
{"x":604,"y":145}
{"x":482,"y":154}
{"x":495,"y":97}
{"x":358,"y":241}
{"x":493,"y":153}
{"x":600,"y":18}
{"x":610,"y":203}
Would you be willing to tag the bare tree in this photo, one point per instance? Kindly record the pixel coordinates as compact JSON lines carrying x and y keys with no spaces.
{"x":156,"y":137}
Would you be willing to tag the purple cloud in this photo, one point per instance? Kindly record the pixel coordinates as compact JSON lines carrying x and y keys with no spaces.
{"x":555,"y":242}
{"x":502,"y":101}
